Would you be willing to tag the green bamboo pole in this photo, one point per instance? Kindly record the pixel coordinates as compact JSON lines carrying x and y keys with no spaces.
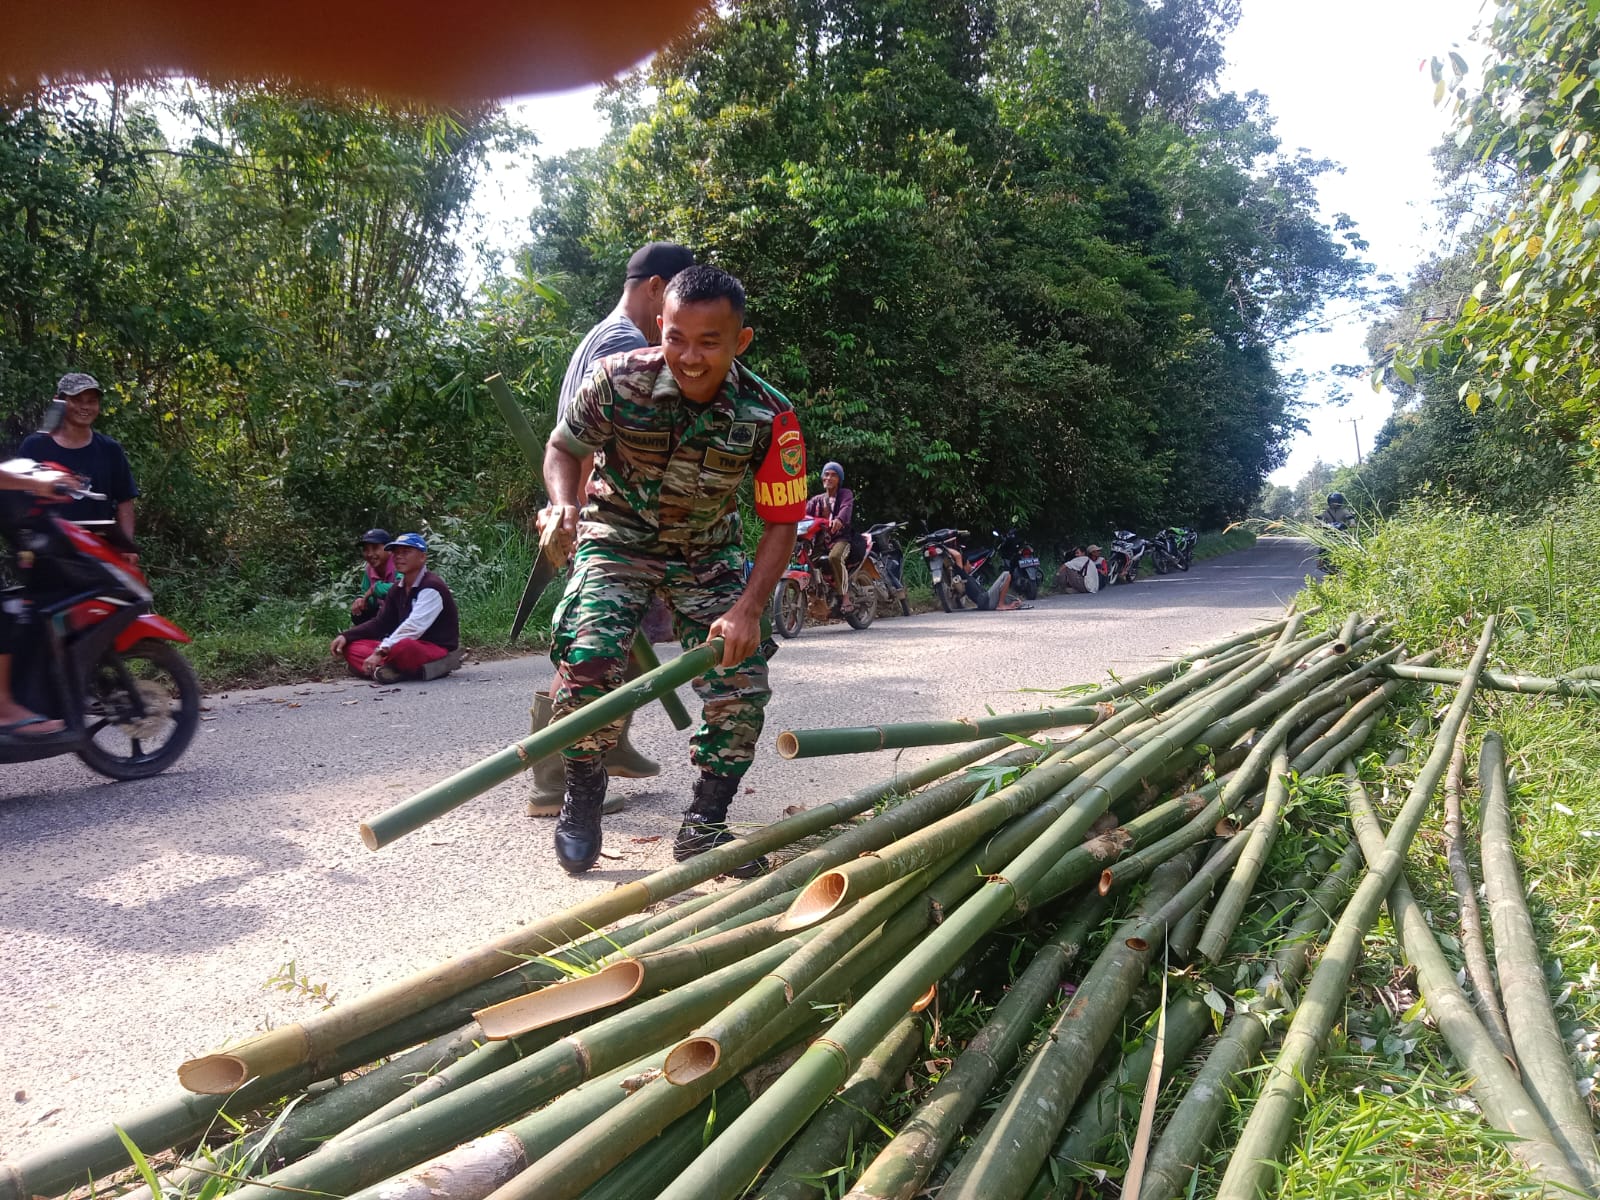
{"x":362,"y":1023}
{"x":1506,"y":1103}
{"x":1193,"y":1125}
{"x":963,"y":827}
{"x":881,"y":830}
{"x":1528,"y":685}
{"x":344,"y":1166}
{"x":862,"y":739}
{"x":565,"y":1171}
{"x":1474,"y":950}
{"x":700,"y":1052}
{"x":821,"y":1147}
{"x":412,"y":814}
{"x":1252,"y":861}
{"x":1546,"y":1066}
{"x":1272,"y":1119}
{"x":777,"y":1115}
{"x":1100,"y":1115}
{"x":1004,"y":1157}
{"x":903,"y":1166}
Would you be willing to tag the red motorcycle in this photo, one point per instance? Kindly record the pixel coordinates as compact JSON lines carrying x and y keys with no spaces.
{"x":101,"y":660}
{"x":807,"y":588}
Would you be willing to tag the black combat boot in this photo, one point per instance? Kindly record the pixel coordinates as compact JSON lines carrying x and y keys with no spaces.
{"x":705,"y":825}
{"x":578,"y":826}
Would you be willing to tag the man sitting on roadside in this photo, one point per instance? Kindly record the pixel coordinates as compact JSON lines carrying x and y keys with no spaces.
{"x":1080,"y":573}
{"x":416,"y":634}
{"x":380,"y":573}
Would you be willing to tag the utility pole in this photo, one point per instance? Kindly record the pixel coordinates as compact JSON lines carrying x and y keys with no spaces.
{"x":1355,"y":426}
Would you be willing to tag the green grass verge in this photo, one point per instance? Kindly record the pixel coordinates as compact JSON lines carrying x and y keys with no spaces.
{"x":1390,"y":1113}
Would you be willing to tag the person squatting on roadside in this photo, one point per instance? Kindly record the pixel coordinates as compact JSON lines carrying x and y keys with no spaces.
{"x":634,"y":324}
{"x":1081,"y":571}
{"x":835,"y":504}
{"x":674,"y":431}
{"x":378,"y":566}
{"x":416,"y":626}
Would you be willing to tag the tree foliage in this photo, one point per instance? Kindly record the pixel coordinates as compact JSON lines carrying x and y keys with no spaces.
{"x":1012,"y":262}
{"x":273,"y":299}
{"x":1528,"y":327}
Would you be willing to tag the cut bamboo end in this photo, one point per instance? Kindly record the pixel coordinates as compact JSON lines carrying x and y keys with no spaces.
{"x":560,"y":1001}
{"x":788,"y":744}
{"x":1106,"y":881}
{"x":214,"y":1075}
{"x":691,"y":1059}
{"x":368,"y":838}
{"x":820,"y":898}
{"x":229,"y":1070}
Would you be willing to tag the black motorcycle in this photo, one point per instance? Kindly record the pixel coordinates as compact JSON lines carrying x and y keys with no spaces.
{"x":954,"y":570}
{"x":1173,"y":547}
{"x":886,"y":553}
{"x":1022,"y":560}
{"x":1127,"y":553}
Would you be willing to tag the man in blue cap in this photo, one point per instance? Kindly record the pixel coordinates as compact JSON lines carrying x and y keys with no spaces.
{"x":417,"y":632}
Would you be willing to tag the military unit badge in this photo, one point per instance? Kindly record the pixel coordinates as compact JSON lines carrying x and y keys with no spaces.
{"x":792,"y":451}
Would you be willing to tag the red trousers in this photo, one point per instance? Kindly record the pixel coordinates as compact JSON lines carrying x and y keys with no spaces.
{"x":408,"y":656}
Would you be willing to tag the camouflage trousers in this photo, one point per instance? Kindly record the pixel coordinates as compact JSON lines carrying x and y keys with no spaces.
{"x":592,"y":632}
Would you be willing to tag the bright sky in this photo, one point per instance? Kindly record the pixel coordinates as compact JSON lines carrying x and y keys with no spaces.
{"x":1347,"y":81}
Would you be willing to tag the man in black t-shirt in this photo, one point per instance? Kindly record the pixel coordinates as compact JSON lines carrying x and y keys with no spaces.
{"x":98,"y":458}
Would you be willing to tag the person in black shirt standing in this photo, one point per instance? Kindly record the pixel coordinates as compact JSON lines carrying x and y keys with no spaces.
{"x":94,"y":456}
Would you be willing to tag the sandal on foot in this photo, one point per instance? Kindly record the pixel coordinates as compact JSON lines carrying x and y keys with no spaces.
{"x":16,"y":728}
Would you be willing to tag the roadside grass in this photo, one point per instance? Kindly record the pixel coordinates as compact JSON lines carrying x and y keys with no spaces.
{"x":1390,"y":1114}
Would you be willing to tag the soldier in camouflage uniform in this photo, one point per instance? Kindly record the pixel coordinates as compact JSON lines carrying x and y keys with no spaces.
{"x":674,"y":431}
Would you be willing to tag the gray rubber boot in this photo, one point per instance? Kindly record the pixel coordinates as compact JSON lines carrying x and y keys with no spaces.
{"x":626,"y":762}
{"x":550,"y":773}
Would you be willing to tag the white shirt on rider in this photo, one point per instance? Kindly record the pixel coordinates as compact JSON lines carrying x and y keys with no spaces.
{"x":425,"y":609}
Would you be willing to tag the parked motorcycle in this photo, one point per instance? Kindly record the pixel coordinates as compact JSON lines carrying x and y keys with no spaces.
{"x":956,"y":572}
{"x":102,"y":660}
{"x":1173,"y":547}
{"x":885,"y":553}
{"x":1127,"y":552}
{"x":807,"y":588}
{"x":1027,"y":576}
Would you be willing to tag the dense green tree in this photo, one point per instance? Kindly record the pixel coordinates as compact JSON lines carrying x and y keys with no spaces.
{"x":1011,"y":262}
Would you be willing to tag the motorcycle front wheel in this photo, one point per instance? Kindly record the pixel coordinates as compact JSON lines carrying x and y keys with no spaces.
{"x":788,"y":608}
{"x":866,"y":607}
{"x":142,"y":708}
{"x":1162,"y":563}
{"x":1185,"y":561}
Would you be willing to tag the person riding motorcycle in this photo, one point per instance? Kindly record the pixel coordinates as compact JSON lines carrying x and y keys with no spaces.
{"x":835,"y":504}
{"x":1338,"y":514}
{"x":16,"y":720}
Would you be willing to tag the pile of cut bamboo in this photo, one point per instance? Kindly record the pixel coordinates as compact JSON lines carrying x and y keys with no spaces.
{"x":749,"y":1038}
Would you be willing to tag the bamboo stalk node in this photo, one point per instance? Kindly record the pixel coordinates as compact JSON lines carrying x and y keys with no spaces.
{"x":521,"y":753}
{"x":1111,"y":844}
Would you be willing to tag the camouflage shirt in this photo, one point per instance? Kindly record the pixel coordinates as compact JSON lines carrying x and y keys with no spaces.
{"x":666,"y":470}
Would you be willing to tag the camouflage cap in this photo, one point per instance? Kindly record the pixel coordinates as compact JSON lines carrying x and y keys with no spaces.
{"x":76,"y":383}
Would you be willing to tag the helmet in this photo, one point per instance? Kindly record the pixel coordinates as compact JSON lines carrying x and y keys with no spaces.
{"x":1335,"y":499}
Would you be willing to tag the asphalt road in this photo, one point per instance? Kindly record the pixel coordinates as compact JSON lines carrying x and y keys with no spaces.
{"x":144,"y":923}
